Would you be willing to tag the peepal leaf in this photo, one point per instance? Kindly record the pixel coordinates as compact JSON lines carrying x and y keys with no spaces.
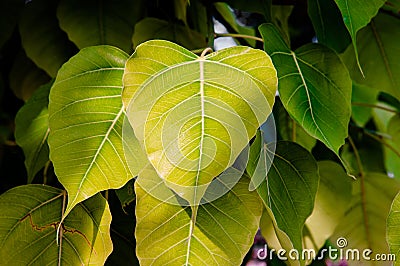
{"x":29,"y":217}
{"x":32,"y":130}
{"x":85,"y":119}
{"x":314,"y":86}
{"x":393,"y":225}
{"x":290,"y":186}
{"x":222,"y":233}
{"x":194,"y":115}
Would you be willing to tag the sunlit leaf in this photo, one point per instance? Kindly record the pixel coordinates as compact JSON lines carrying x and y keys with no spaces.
{"x":195,"y":115}
{"x":32,"y":130}
{"x":356,"y":15}
{"x":379,"y":55}
{"x":290,"y":186}
{"x":393,"y":225}
{"x":85,"y":119}
{"x":29,"y":217}
{"x":154,"y":28}
{"x":364,"y":225}
{"x":43,"y":40}
{"x":221,"y":233}
{"x":314,"y":86}
{"x":93,"y":22}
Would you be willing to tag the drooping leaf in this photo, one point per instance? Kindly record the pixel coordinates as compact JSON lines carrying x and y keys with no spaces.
{"x":314,"y":86}
{"x":93,"y":22}
{"x":379,"y":55}
{"x":192,"y":121}
{"x":43,"y":40}
{"x":26,"y":77}
{"x":328,"y":24}
{"x":331,"y":203}
{"x":29,"y":217}
{"x":290,"y":186}
{"x":154,"y":28}
{"x":221,"y":233}
{"x":32,"y":130}
{"x":85,"y":119}
{"x":362,"y":99}
{"x":9,"y":13}
{"x":393,"y":225}
{"x":364,"y":225}
{"x":356,"y":15}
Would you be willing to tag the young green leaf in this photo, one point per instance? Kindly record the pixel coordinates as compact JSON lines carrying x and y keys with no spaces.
{"x":29,"y":217}
{"x":221,"y":234}
{"x":367,"y":213}
{"x":85,"y":119}
{"x":92,"y":22}
{"x":194,"y":115}
{"x":32,"y":130}
{"x":379,"y":57}
{"x":290,"y":186}
{"x":314,"y":87}
{"x":43,"y":40}
{"x":356,"y":15}
{"x":393,"y":225}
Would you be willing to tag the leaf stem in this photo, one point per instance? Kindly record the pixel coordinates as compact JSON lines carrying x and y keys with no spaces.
{"x":374,"y":106}
{"x":357,"y":155}
{"x":235,"y":35}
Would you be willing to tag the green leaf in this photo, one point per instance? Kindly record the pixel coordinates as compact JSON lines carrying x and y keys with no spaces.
{"x":9,"y":13}
{"x":32,"y":130}
{"x":379,"y":55}
{"x":392,"y":156}
{"x":26,"y":77}
{"x":43,"y":40}
{"x":328,"y":24}
{"x":356,"y":15}
{"x":194,"y":122}
{"x":331,"y":203}
{"x":280,"y":18}
{"x":290,"y":186}
{"x":154,"y":28}
{"x":221,"y":234}
{"x":29,"y":217}
{"x":126,"y":194}
{"x":93,"y":22}
{"x":314,"y":86}
{"x":393,"y":225}
{"x":371,"y":199}
{"x":362,"y":98}
{"x":85,"y":119}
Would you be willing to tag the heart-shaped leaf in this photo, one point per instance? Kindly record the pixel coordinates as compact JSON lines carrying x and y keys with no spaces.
{"x":32,"y":130}
{"x":314,"y":86}
{"x":85,"y":118}
{"x":220,"y":234}
{"x":29,"y":217}
{"x":194,"y":115}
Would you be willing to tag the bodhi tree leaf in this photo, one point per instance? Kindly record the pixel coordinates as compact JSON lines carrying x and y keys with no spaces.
{"x":222,"y":233}
{"x":290,"y":186}
{"x":356,"y":15}
{"x":328,"y":24}
{"x":314,"y":86}
{"x":364,"y":225}
{"x":32,"y":130}
{"x":93,"y":22}
{"x":85,"y":120}
{"x":154,"y":28}
{"x":362,"y":99}
{"x":194,"y":115}
{"x":393,"y":225}
{"x":38,"y":20}
{"x":29,"y":217}
{"x":379,"y":55}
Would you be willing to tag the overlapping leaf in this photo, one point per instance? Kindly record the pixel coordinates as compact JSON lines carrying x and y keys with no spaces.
{"x":29,"y":217}
{"x":85,"y":119}
{"x":221,"y":233}
{"x":290,"y":186}
{"x":314,"y":87}
{"x":194,"y":115}
{"x":32,"y":130}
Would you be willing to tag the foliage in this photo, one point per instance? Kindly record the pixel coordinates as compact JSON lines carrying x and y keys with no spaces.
{"x":126,"y":140}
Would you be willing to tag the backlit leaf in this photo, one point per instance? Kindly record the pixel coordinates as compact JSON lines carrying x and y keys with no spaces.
{"x":393,"y":225}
